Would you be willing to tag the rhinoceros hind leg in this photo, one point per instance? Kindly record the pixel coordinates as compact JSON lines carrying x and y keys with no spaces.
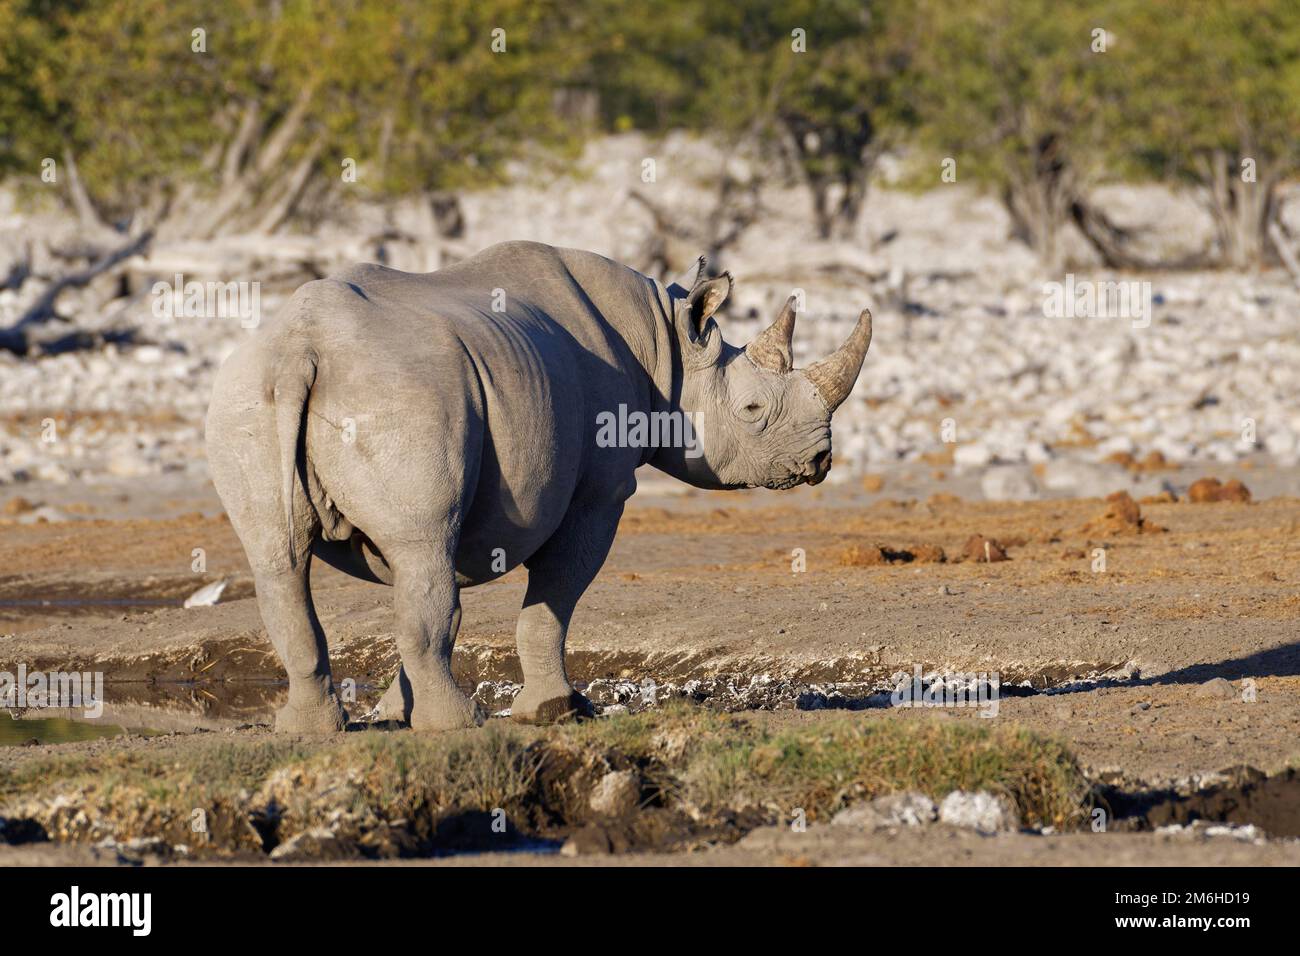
{"x":397,"y":700}
{"x":428,"y":617}
{"x":326,"y":717}
{"x":247,"y":469}
{"x":290,"y":618}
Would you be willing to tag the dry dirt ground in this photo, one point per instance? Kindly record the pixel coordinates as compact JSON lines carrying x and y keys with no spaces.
{"x":701,"y":584}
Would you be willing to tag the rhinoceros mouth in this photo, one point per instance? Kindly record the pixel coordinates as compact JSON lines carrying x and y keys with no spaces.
{"x":813,"y":473}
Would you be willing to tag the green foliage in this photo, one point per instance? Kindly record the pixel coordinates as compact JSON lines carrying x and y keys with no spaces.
{"x":412,"y":90}
{"x":1211,"y":75}
{"x":416,"y":94}
{"x":1018,"y":92}
{"x":1001,"y":78}
{"x":824,"y":83}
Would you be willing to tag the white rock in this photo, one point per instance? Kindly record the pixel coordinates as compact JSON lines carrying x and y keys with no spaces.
{"x":1036,"y":453}
{"x":43,"y":513}
{"x":897,"y":809}
{"x":1116,"y":443}
{"x":980,"y":811}
{"x":207,"y":595}
{"x":616,"y":794}
{"x":1008,"y":483}
{"x":971,"y":455}
{"x":53,"y":472}
{"x":1067,"y":475}
{"x":125,"y":464}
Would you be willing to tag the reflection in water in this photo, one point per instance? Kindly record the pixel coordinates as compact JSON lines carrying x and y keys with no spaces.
{"x":52,"y":730}
{"x":163,"y":707}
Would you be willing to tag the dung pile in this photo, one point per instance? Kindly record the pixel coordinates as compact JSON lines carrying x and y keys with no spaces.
{"x":1208,"y":490}
{"x":1122,"y":516}
{"x":867,"y":556}
{"x":980,"y":548}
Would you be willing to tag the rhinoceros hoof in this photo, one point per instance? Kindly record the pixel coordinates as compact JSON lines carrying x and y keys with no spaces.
{"x":552,"y":710}
{"x":447,"y":715}
{"x":327,"y":717}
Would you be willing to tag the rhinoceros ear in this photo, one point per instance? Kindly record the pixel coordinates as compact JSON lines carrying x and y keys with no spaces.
{"x":693,"y":315}
{"x":689,"y":279}
{"x":704,"y":300}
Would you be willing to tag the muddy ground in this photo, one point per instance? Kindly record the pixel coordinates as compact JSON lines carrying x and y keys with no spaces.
{"x":803,"y":603}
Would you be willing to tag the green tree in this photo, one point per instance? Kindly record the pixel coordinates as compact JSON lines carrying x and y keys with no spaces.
{"x":208,"y":117}
{"x":1025,"y":97}
{"x":821,"y":83}
{"x":1214,"y":101}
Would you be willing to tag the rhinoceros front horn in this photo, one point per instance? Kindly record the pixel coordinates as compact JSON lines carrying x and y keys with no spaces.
{"x":833,"y":376}
{"x":771,"y":348}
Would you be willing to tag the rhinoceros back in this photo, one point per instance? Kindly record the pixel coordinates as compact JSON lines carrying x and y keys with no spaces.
{"x":483,"y":379}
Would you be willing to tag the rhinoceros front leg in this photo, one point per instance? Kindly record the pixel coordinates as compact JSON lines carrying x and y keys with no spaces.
{"x":557,"y":577}
{"x":427,"y":602}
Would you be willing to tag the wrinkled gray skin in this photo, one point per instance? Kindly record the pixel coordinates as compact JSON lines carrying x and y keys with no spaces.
{"x":435,"y":431}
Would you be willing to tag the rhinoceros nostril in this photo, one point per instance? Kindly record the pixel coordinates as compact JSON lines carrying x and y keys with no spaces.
{"x":822,"y":461}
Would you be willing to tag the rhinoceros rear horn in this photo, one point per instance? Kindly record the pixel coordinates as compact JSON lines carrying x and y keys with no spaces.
{"x":771,"y":348}
{"x":833,"y":376}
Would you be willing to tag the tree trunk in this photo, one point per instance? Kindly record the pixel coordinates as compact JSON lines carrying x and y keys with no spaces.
{"x":242,"y":181}
{"x":272,"y":213}
{"x":1049,"y":197}
{"x":447,"y":214}
{"x":1241,"y":210}
{"x":833,"y":161}
{"x":1038,"y":208}
{"x":1282,"y":245}
{"x":88,"y":216}
{"x":1111,"y":241}
{"x":823,"y":218}
{"x":838,"y":201}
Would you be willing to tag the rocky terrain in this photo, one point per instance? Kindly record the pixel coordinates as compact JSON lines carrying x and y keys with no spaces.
{"x":967,"y":371}
{"x":1100,"y":513}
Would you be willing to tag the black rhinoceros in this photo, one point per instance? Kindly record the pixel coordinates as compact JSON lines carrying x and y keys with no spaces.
{"x":434,"y":431}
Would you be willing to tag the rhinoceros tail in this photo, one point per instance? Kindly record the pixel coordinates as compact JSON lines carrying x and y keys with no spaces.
{"x":293,"y":381}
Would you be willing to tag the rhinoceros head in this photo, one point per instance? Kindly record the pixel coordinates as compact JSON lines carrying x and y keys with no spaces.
{"x":758,"y":421}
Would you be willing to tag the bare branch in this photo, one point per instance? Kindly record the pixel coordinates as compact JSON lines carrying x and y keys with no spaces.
{"x":81,"y":202}
{"x":271,"y":218}
{"x":43,"y":308}
{"x":249,"y":123}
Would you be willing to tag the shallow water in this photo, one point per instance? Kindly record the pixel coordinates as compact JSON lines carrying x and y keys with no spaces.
{"x":15,"y":732}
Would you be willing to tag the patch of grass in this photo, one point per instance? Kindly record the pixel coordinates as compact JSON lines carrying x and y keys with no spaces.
{"x":717,"y":761}
{"x":479,"y":770}
{"x":823,"y":768}
{"x":222,"y":765}
{"x":697,"y":764}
